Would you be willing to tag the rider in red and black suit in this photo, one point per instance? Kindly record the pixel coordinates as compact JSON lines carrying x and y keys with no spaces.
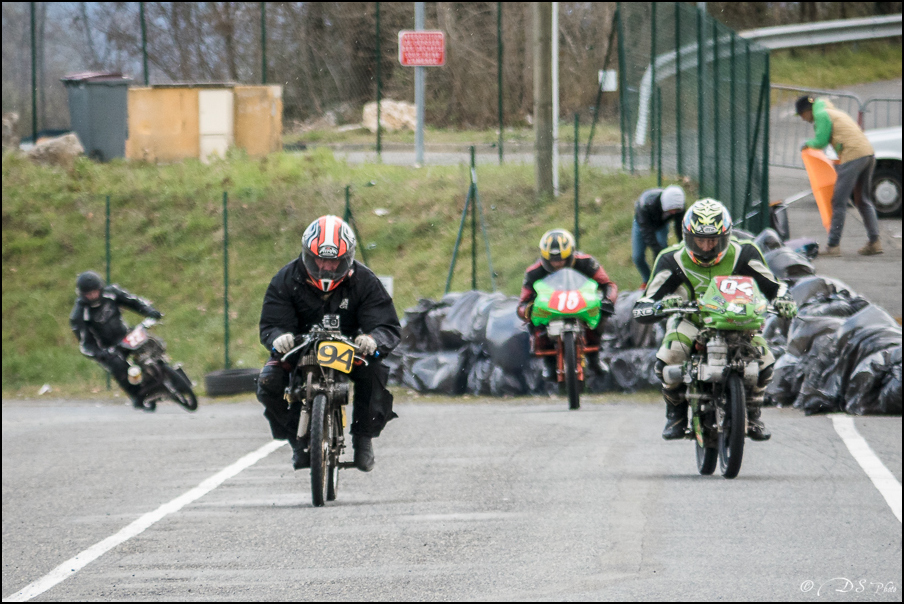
{"x":557,"y":251}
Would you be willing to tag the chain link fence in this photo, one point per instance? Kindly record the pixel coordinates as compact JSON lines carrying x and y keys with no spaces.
{"x":695,"y":102}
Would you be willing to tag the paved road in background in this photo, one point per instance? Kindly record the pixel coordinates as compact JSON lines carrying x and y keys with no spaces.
{"x":488,"y":500}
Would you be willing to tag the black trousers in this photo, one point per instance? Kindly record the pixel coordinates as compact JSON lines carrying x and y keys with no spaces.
{"x":118,"y":367}
{"x":371,"y":408}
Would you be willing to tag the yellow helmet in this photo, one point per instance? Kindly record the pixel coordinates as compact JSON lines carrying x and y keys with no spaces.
{"x":555,"y":245}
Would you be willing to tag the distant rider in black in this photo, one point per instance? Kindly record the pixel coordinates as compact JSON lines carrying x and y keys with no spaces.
{"x":98,"y":325}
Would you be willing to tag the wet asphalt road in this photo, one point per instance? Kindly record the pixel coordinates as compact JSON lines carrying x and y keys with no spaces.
{"x":480,"y":500}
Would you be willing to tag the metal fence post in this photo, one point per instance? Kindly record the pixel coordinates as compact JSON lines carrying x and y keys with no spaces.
{"x":678,"y":135}
{"x":652,"y":79}
{"x":499,"y":70}
{"x":577,"y":231}
{"x":107,"y":253}
{"x":731,"y":118}
{"x":144,"y":44}
{"x":379,"y":60}
{"x":717,"y":114}
{"x":34,"y":79}
{"x":622,"y":83}
{"x":700,"y":97}
{"x":473,"y":224}
{"x":764,"y":201}
{"x":225,"y":282}
{"x":263,"y":42}
{"x":659,"y":135}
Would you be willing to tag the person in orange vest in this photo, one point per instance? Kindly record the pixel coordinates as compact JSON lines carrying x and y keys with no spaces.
{"x":855,"y":170}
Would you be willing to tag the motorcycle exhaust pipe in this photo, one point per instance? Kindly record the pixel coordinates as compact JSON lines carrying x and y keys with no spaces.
{"x":673,"y":375}
{"x":304,"y":418}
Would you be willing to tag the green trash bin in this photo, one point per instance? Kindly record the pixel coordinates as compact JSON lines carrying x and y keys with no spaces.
{"x":98,"y":112}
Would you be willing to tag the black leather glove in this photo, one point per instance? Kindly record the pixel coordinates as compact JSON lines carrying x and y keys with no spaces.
{"x":155,"y":314}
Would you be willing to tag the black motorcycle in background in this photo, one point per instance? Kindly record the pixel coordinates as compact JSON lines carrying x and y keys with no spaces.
{"x":149,"y":367}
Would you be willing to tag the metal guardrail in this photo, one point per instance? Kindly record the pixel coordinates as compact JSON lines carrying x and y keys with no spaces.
{"x":826,"y":32}
{"x":880,"y":113}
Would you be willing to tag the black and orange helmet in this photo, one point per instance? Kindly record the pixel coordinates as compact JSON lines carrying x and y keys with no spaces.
{"x":327,"y":252}
{"x":555,"y":245}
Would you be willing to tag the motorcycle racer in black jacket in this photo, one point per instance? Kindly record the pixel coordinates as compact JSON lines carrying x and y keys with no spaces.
{"x":326,"y":279}
{"x":98,"y":326}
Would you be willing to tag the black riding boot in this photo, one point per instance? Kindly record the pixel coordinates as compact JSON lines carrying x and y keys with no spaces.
{"x":364,"y":453}
{"x":756,"y":429}
{"x":675,"y":413}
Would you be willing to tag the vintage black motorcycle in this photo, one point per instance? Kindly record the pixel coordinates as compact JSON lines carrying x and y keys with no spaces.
{"x":319,"y":383}
{"x":149,"y":367}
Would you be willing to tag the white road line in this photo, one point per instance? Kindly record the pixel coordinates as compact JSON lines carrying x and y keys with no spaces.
{"x":884,"y":480}
{"x":73,"y":565}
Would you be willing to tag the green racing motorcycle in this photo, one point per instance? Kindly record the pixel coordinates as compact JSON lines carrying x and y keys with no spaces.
{"x":567,"y":303}
{"x":722,"y":369}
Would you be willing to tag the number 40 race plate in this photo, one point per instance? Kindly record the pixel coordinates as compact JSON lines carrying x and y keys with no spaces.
{"x":337,"y":355}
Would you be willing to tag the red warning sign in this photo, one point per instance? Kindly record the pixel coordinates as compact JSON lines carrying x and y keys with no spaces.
{"x":422,"y":48}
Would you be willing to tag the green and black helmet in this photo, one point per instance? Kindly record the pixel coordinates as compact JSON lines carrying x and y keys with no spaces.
{"x":707,"y":231}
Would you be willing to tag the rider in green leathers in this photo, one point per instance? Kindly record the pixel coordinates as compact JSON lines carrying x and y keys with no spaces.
{"x":683,"y":272}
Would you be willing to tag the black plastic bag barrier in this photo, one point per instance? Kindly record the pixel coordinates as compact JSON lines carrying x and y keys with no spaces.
{"x":805,"y":329}
{"x":421,"y":326}
{"x":786,"y":381}
{"x":788,"y":265}
{"x":507,"y":339}
{"x":633,"y":369}
{"x":869,"y":331}
{"x":840,"y":304}
{"x":466,"y":320}
{"x":768,"y":240}
{"x":479,"y":373}
{"x":627,"y":332}
{"x":890,"y":395}
{"x":866,"y":382}
{"x":810,"y":396}
{"x":394,"y":361}
{"x":439,"y":372}
{"x":806,"y":247}
{"x":811,"y":287}
{"x":775,"y":331}
{"x":778,"y":218}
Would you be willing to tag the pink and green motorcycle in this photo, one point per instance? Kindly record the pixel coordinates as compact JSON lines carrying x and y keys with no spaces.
{"x":567,"y":305}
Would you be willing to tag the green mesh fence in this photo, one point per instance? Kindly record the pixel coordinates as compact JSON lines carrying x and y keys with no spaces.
{"x":695,"y":102}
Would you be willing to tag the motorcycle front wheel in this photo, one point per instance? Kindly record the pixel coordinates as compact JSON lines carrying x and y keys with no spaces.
{"x":572,"y":385}
{"x":323,"y":466}
{"x":731,"y":438}
{"x":332,"y":483}
{"x":179,"y":388}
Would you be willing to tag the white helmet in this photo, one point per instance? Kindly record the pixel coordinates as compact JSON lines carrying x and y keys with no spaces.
{"x":672,"y":198}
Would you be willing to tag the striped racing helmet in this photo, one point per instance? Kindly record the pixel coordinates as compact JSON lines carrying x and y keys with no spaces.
{"x":327,"y":252}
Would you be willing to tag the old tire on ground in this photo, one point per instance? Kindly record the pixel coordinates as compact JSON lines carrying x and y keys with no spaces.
{"x":225,"y":382}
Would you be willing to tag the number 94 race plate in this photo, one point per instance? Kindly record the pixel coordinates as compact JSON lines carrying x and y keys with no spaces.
{"x":336,"y":355}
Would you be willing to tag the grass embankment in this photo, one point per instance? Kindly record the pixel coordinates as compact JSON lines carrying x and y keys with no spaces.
{"x":835,"y":67}
{"x":167,"y":243}
{"x":605,"y":132}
